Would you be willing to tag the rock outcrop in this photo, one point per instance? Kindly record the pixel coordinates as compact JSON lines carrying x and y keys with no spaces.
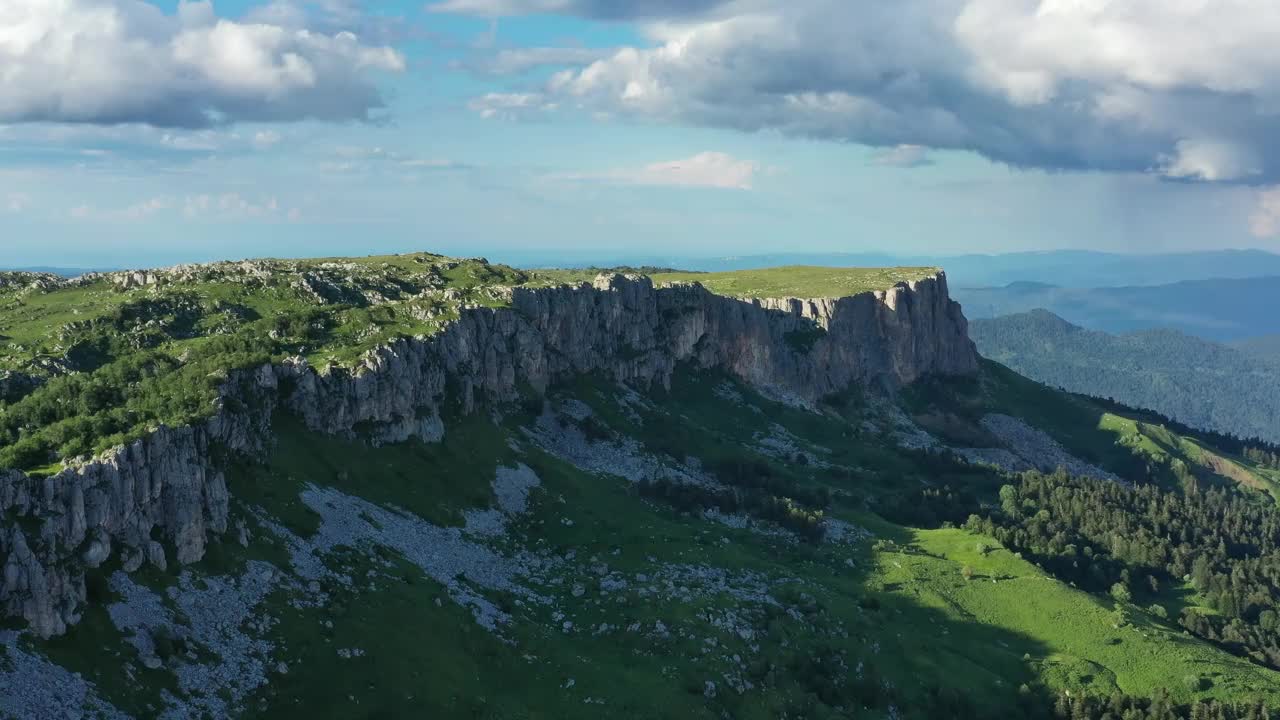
{"x":14,"y":385}
{"x":168,"y":485}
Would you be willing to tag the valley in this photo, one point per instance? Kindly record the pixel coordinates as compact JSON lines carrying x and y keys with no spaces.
{"x":1214,"y":386}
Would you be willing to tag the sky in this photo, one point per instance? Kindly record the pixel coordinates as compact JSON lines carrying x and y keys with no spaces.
{"x":148,"y":133}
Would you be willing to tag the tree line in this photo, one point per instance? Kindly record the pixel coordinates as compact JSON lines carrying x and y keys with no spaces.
{"x":1102,"y":536}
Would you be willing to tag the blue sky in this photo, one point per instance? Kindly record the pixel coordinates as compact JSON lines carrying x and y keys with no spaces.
{"x":593,"y":130}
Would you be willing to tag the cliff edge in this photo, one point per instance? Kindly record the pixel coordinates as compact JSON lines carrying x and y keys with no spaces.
{"x":162,"y":498}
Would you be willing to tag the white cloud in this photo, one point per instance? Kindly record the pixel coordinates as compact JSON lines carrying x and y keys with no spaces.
{"x":363,"y":160}
{"x":132,"y":213}
{"x":495,"y":8}
{"x":903,"y":156}
{"x":510,"y":105}
{"x":200,"y":206}
{"x":116,"y":61}
{"x":601,"y":9}
{"x":1265,"y":221}
{"x":1185,"y":88}
{"x":431,"y":164}
{"x":704,"y":170}
{"x":1031,"y":48}
{"x":1210,"y":160}
{"x":195,"y":141}
{"x":514,"y":61}
{"x":229,"y":206}
{"x":265,"y":139}
{"x":145,"y":209}
{"x":17,"y":202}
{"x":708,"y":169}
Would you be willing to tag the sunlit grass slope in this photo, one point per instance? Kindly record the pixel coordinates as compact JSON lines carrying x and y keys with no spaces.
{"x":800,"y":281}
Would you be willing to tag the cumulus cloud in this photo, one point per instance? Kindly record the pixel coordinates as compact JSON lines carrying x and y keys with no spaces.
{"x":704,"y":170}
{"x":1183,"y":88}
{"x":121,"y":61}
{"x":1211,"y":160}
{"x":1265,"y":221}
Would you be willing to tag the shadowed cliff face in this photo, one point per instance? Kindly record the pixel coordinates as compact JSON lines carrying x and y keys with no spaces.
{"x":796,"y":350}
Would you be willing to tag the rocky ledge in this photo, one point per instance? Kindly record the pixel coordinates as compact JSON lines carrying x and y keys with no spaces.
{"x":161,"y":498}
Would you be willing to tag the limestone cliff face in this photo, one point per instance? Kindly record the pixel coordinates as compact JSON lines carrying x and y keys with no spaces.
{"x":635,"y":333}
{"x":169,"y":486}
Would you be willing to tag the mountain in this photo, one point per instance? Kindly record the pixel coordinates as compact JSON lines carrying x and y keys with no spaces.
{"x":1222,"y":310}
{"x":420,"y":486}
{"x":1068,"y":268}
{"x":1194,"y":381}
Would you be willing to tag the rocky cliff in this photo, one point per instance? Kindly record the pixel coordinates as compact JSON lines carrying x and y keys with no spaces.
{"x":162,"y":498}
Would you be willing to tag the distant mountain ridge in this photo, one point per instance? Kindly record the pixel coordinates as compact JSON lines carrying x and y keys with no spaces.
{"x":1195,"y":381}
{"x":1222,"y":310}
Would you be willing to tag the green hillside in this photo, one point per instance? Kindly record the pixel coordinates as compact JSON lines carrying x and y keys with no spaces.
{"x":604,"y":550}
{"x":799,"y":281}
{"x":94,"y":362}
{"x":701,"y":617}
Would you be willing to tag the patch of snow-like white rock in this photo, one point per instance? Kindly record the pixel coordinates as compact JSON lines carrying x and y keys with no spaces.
{"x":727,"y":392}
{"x":511,"y":487}
{"x":1025,"y":447}
{"x":741,"y":521}
{"x":214,"y":614}
{"x":620,"y":456}
{"x":842,"y":532}
{"x":780,"y":444}
{"x":902,"y":429}
{"x":631,"y":402}
{"x":444,"y":554}
{"x":1036,"y":448}
{"x":687,"y":582}
{"x":33,"y":687}
{"x":998,"y":458}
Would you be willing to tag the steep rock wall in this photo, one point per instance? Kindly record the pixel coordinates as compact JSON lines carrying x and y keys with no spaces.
{"x":636,"y":333}
{"x":167,"y":484}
